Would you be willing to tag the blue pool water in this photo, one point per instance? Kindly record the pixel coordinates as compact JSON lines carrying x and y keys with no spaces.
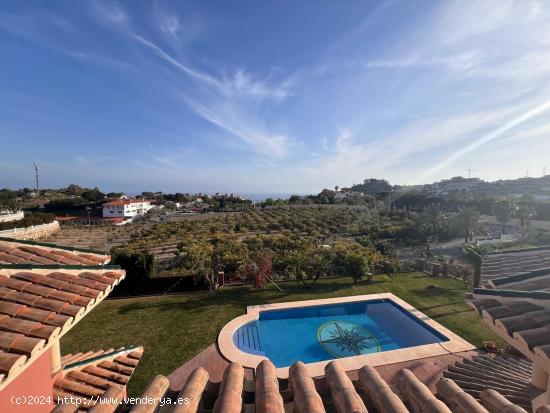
{"x":318,"y":333}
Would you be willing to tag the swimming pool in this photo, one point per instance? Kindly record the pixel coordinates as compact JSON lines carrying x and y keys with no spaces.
{"x":380,"y":327}
{"x":326,"y":332}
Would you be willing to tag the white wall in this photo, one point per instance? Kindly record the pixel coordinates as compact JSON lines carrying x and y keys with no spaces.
{"x":12,"y":217}
{"x":32,"y":232}
{"x":535,"y":223}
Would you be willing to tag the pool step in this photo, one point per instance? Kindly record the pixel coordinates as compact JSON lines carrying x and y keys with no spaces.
{"x":247,"y":339}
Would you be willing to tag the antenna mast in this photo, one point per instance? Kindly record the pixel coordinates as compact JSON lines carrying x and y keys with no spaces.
{"x":470,"y":172}
{"x":37,"y":174}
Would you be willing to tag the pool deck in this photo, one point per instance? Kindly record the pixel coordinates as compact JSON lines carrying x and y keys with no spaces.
{"x":454,"y":345}
{"x":429,"y":370}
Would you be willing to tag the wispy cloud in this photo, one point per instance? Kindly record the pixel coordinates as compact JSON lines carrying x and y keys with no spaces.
{"x":109,"y":13}
{"x":229,"y":102}
{"x":248,"y":129}
{"x":464,"y":61}
{"x":87,"y":162}
{"x":169,"y":24}
{"x":53,"y":31}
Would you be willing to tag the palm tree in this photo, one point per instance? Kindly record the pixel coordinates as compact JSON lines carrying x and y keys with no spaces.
{"x":470,"y":220}
{"x":433,"y":216}
{"x":525,"y":213}
{"x":504,"y":210}
{"x":13,"y":204}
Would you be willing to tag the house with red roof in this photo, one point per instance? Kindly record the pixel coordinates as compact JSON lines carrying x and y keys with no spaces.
{"x":126,"y":208}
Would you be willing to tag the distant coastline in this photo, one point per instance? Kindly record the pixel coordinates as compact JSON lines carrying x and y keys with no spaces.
{"x":262,"y":196}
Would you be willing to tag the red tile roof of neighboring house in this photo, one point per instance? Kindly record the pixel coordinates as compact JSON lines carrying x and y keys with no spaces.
{"x":126,"y":202}
{"x":17,"y":252}
{"x":91,"y":219}
{"x":501,"y":264}
{"x":38,"y":303}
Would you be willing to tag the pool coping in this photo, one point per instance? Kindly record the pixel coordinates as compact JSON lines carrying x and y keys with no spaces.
{"x":230,"y":351}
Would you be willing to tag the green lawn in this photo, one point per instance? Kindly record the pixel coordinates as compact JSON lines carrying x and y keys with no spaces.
{"x":173,"y":329}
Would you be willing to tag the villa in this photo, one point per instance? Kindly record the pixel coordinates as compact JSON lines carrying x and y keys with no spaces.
{"x":126,"y":208}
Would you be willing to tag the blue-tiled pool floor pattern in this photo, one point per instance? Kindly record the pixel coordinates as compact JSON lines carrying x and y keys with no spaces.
{"x":289,"y":335}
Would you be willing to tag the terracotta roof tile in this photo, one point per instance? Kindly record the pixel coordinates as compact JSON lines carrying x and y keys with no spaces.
{"x":268,"y":399}
{"x":28,"y":328}
{"x":230,"y":395}
{"x":47,"y":281}
{"x":510,"y":376}
{"x":14,"y":252}
{"x":107,"y":374}
{"x":526,"y":326}
{"x":82,"y":376}
{"x":10,"y":362}
{"x":32,"y":300}
{"x":410,"y":395}
{"x":80,"y":281}
{"x":20,"y":344}
{"x":38,"y":305}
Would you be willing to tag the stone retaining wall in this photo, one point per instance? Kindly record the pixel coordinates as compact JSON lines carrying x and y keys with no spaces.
{"x":12,"y":217}
{"x":32,"y":232}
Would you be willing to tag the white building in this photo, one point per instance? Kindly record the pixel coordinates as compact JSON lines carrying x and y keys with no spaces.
{"x":126,"y":208}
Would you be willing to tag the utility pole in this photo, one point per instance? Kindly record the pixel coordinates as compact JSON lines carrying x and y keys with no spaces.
{"x":470,"y":172}
{"x":544,"y":171}
{"x":36,"y":173}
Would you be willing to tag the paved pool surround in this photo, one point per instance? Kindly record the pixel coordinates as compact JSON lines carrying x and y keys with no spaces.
{"x":452,"y":344}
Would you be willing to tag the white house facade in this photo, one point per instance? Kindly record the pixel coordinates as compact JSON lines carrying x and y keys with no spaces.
{"x":126,"y":208}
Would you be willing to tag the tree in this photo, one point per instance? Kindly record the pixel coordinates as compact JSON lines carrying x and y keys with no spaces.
{"x":356,"y":265}
{"x":525,"y":213}
{"x":13,"y":204}
{"x":93,"y":195}
{"x":8,"y":200}
{"x":74,"y":190}
{"x":504,"y":210}
{"x":140,"y":266}
{"x":259,"y":269}
{"x":470,"y":220}
{"x":433,"y":215}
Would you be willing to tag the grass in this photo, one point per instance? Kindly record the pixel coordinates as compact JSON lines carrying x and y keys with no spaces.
{"x":174,"y":329}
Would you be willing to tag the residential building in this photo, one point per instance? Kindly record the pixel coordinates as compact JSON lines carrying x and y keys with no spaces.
{"x":126,"y":208}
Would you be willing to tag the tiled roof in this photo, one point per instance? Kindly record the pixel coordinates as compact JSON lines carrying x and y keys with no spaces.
{"x":16,"y":252}
{"x":41,"y":302}
{"x":536,"y":280}
{"x":126,"y":202}
{"x":39,"y":307}
{"x":92,"y":375}
{"x":500,"y":264}
{"x":523,"y":322}
{"x":508,"y":375}
{"x":335,"y":392}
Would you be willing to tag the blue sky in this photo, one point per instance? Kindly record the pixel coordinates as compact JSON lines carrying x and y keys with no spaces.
{"x":278,"y":96}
